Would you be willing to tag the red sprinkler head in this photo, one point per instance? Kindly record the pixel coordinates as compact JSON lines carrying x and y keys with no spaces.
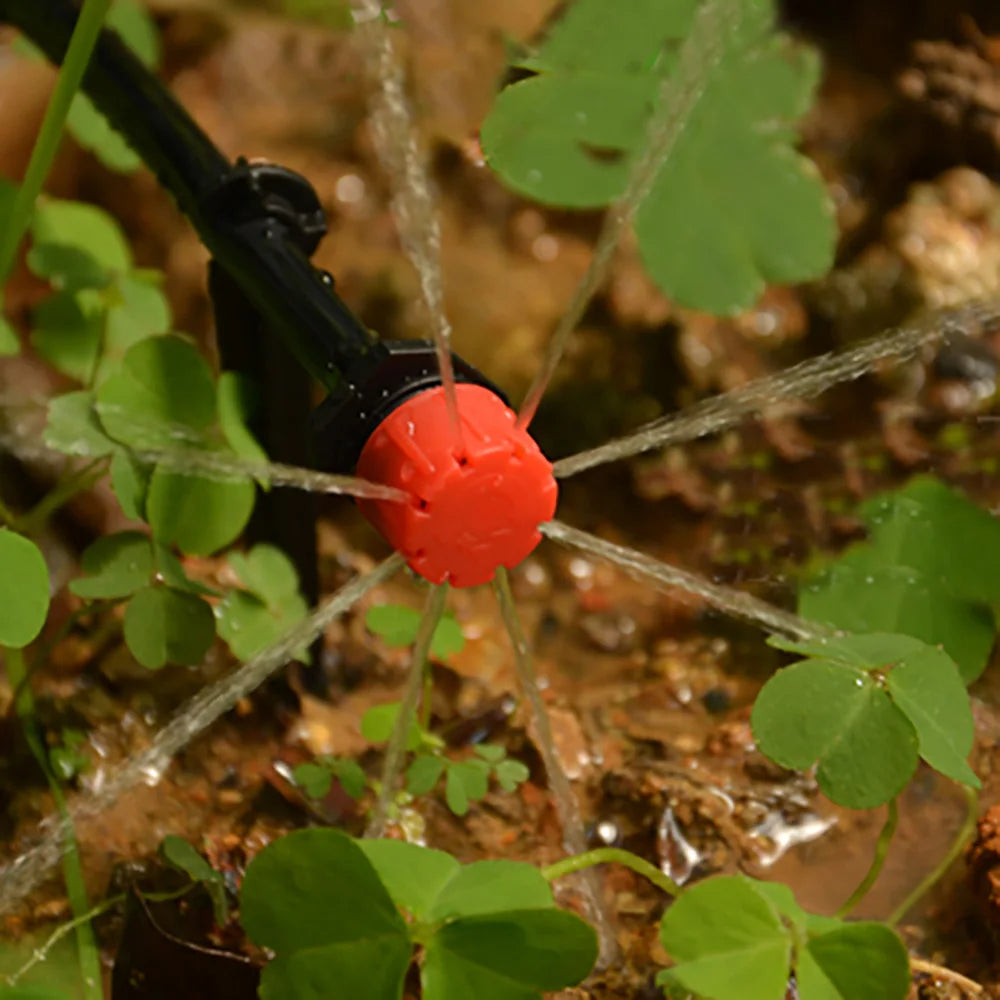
{"x":471,"y":511}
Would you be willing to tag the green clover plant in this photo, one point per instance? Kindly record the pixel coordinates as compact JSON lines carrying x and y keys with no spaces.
{"x":271,"y":603}
{"x":733,"y":207}
{"x":397,"y":626}
{"x":353,"y":913}
{"x":466,"y":780}
{"x":735,"y":938}
{"x":927,"y":569}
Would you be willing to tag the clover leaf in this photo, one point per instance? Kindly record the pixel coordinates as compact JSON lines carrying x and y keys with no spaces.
{"x":734,"y":207}
{"x":314,"y":899}
{"x":164,"y":625}
{"x":117,"y":566}
{"x":163,"y":395}
{"x":764,"y":938}
{"x":330,"y":906}
{"x":198,"y":515}
{"x":926,"y":570}
{"x":90,"y":127}
{"x":76,"y":245}
{"x":24,"y":589}
{"x":73,"y":427}
{"x":923,"y":683}
{"x":315,"y":778}
{"x":397,"y":625}
{"x":253,"y":618}
{"x":180,"y":854}
{"x":838,"y":715}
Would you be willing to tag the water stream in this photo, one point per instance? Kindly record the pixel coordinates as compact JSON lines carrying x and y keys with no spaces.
{"x":26,"y":873}
{"x":679,"y":94}
{"x":413,"y":202}
{"x":802,"y":381}
{"x":729,"y":600}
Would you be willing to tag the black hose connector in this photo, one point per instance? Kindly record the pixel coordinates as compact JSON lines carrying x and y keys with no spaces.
{"x":261,"y":223}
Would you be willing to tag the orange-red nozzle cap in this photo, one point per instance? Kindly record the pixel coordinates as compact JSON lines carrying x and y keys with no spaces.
{"x":471,"y":510}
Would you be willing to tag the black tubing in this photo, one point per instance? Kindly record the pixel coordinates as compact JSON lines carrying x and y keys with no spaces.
{"x":275,"y":274}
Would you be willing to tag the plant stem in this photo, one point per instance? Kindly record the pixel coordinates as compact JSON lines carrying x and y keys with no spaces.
{"x":78,"y":481}
{"x":963,"y":836}
{"x":86,"y":945}
{"x":881,"y":853}
{"x":940,"y":972}
{"x":88,"y":27}
{"x":396,"y":748}
{"x":7,"y":516}
{"x":612,"y":855}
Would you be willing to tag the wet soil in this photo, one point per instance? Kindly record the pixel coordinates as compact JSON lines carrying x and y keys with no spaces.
{"x":649,"y":692}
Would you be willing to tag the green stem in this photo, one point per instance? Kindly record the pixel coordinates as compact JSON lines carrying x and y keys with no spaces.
{"x":963,"y":836}
{"x":78,"y":481}
{"x":88,"y":27}
{"x":881,"y":853}
{"x":7,"y":516}
{"x":87,"y":951}
{"x":612,"y":855}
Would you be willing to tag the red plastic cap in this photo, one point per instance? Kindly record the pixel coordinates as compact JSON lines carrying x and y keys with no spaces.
{"x":471,"y":511}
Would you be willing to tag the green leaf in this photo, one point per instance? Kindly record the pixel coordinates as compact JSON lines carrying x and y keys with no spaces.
{"x":926,"y":685}
{"x":397,"y":625}
{"x":67,"y":331}
{"x":135,"y":27}
{"x":236,"y":404}
{"x":837,"y":715}
{"x":734,"y":207}
{"x":171,"y":571}
{"x":137,"y":309}
{"x":178,"y":852}
{"x":491,"y":887}
{"x":510,"y":774}
{"x":728,"y":941}
{"x":94,"y":132}
{"x":68,"y":759}
{"x":378,"y":722}
{"x":163,"y":625}
{"x":162,"y":395}
{"x":266,"y":572}
{"x":424,"y":773}
{"x":198,"y":515}
{"x":181,"y":854}
{"x":413,"y":875}
{"x":366,"y":969}
{"x":858,"y":961}
{"x":465,"y":783}
{"x":73,"y":428}
{"x":251,"y":621}
{"x":24,"y":590}
{"x":859,"y":593}
{"x":130,"y":481}
{"x":513,"y":956}
{"x":314,"y":888}
{"x":10,"y":342}
{"x":117,"y":566}
{"x":92,"y":246}
{"x":314,"y":778}
{"x":247,"y":624}
{"x":352,"y":777}
{"x":934,"y":529}
{"x":89,"y":127}
{"x":922,"y":681}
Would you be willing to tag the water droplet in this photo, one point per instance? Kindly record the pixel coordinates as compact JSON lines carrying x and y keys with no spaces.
{"x":534,"y":176}
{"x":581,"y":117}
